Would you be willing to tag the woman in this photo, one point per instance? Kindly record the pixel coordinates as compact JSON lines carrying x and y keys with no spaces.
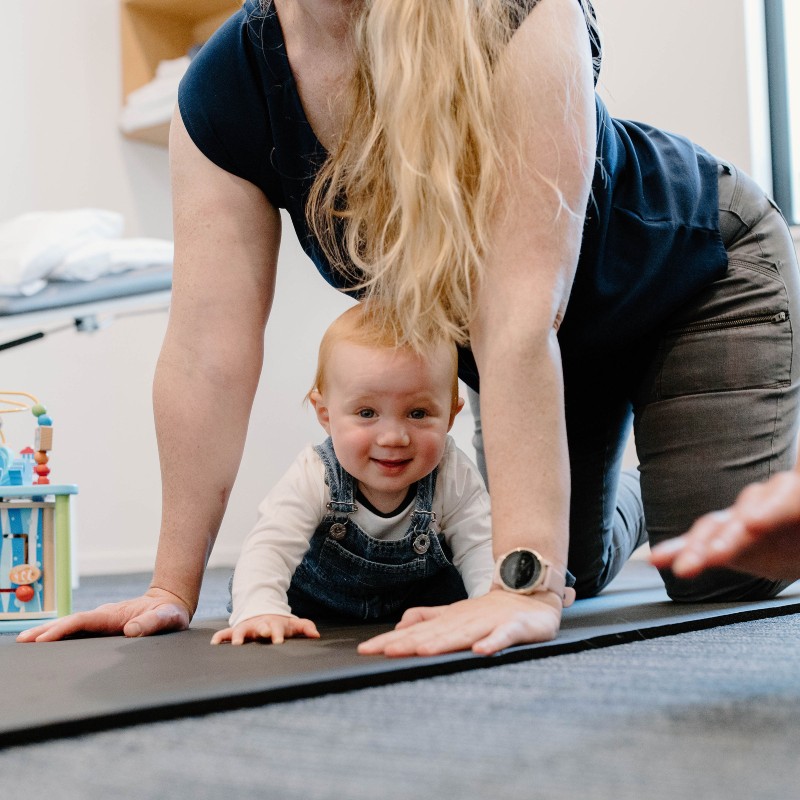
{"x":594,"y":267}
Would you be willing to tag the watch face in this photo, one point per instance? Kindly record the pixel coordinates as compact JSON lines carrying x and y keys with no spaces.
{"x":520,"y":570}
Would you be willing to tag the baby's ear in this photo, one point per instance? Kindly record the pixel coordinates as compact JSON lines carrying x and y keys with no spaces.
{"x":459,"y":406}
{"x":318,"y":401}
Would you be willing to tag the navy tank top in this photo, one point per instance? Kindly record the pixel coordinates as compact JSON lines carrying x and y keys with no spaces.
{"x":651,"y":236}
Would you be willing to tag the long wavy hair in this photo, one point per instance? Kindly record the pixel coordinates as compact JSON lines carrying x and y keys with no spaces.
{"x":402,"y":205}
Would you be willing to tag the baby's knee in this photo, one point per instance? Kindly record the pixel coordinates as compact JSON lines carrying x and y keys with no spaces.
{"x":721,"y":586}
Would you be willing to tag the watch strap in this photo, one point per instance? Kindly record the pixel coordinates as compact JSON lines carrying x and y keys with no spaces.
{"x":555,"y":581}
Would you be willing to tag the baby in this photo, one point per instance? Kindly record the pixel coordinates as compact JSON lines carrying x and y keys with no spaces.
{"x":386,"y":514}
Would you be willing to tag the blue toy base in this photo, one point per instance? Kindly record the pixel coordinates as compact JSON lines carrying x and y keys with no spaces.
{"x":19,"y":625}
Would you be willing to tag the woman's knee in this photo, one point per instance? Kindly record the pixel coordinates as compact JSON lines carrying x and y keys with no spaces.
{"x":721,"y":586}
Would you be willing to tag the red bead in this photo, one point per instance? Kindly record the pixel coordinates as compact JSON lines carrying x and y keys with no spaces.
{"x":41,"y":469}
{"x":24,"y":593}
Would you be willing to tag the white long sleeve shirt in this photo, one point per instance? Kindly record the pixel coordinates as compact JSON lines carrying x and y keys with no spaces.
{"x":292,"y":511}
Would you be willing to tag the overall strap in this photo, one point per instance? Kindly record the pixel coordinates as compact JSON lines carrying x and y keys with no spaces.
{"x":423,"y":515}
{"x":340,"y":483}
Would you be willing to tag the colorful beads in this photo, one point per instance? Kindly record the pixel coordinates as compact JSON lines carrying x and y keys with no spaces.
{"x":42,"y":444}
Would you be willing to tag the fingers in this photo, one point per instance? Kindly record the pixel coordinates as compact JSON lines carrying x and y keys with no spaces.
{"x":250,"y":631}
{"x":140,"y":616}
{"x":518,"y":631}
{"x":31,"y":634}
{"x":486,"y":624}
{"x":268,"y":627}
{"x":423,"y":639}
{"x":709,"y":541}
{"x":97,"y":621}
{"x":414,"y":615}
{"x":222,"y":636}
{"x":50,"y":631}
{"x":306,"y":627}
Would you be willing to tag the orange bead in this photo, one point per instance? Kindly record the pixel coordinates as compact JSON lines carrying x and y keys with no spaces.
{"x":24,"y":593}
{"x":40,"y":457}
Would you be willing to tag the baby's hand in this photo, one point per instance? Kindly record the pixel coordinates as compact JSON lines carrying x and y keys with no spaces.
{"x":267,"y":626}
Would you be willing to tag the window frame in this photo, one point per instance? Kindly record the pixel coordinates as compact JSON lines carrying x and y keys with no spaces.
{"x":783,"y":174}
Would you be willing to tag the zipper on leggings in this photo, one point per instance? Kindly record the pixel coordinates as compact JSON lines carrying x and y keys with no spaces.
{"x":733,"y":322}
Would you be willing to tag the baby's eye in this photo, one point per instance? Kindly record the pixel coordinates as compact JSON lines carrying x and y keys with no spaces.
{"x":418,"y":413}
{"x":366,"y":413}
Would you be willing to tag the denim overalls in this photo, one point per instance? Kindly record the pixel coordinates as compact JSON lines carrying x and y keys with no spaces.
{"x":348,"y":573}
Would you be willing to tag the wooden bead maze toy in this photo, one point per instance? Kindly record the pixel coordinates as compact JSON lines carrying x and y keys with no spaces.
{"x":35,"y":557}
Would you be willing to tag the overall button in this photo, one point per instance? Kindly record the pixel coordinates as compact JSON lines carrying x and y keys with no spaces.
{"x":337,"y":531}
{"x":422,"y":543}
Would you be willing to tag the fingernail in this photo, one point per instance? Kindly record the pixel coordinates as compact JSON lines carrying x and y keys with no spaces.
{"x":719,"y":544}
{"x":134,"y":629}
{"x":669,"y":547}
{"x":686,"y":562}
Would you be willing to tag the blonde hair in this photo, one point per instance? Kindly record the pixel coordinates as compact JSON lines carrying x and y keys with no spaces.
{"x":364,"y":325}
{"x":402,"y":205}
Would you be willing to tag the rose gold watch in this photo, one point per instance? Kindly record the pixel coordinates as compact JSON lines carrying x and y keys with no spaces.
{"x":524,"y":571}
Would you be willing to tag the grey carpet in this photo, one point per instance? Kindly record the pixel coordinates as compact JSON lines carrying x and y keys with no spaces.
{"x":711,"y":714}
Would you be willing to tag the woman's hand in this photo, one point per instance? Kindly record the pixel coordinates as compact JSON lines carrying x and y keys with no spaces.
{"x":484,"y":624}
{"x":156,"y":611}
{"x":759,"y":534}
{"x":267,"y":626}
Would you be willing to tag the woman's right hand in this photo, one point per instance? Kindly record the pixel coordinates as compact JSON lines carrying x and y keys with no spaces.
{"x":758,"y":534}
{"x":485,"y":625}
{"x":156,"y":611}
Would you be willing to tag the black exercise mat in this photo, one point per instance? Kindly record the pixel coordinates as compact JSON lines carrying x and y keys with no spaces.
{"x":82,"y":685}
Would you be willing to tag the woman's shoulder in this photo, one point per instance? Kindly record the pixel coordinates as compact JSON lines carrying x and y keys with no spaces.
{"x":520,"y":9}
{"x":224,"y":97}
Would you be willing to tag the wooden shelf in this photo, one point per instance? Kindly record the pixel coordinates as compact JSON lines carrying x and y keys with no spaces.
{"x":157,"y":30}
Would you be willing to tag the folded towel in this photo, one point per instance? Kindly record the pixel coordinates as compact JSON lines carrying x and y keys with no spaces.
{"x":133,"y":118}
{"x":23,"y":290}
{"x":171,"y":67}
{"x":153,"y":103}
{"x":110,"y":256}
{"x":33,"y":245}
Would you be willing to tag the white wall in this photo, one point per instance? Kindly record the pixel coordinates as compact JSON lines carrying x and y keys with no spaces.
{"x":696,"y":68}
{"x":674,"y":62}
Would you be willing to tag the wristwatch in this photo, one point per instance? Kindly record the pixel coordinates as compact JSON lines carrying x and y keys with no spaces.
{"x":524,"y":571}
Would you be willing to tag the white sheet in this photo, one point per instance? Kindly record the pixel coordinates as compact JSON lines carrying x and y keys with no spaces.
{"x":33,"y":245}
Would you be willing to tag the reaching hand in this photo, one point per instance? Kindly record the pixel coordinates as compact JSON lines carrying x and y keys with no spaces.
{"x":156,"y":611}
{"x":484,"y":624}
{"x":267,"y":626}
{"x":759,"y":534}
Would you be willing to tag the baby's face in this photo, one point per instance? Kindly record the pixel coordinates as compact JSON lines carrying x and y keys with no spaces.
{"x":388,"y":413}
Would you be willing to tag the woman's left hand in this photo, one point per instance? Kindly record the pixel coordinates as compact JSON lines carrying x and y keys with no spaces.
{"x":484,"y":624}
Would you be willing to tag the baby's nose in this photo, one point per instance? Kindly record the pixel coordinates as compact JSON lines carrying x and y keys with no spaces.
{"x":393,"y":436}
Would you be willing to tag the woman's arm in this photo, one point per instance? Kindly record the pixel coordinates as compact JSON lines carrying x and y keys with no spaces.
{"x":226,"y":240}
{"x":226,"y":245}
{"x":548,"y":109}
